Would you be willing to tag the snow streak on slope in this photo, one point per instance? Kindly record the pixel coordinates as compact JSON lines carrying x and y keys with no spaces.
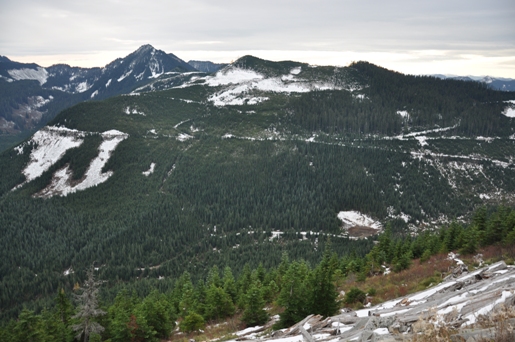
{"x":38,"y":74}
{"x":51,"y":144}
{"x":150,"y":170}
{"x":62,"y":183}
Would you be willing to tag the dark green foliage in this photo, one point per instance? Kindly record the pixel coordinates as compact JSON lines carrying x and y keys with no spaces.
{"x":295,"y":295}
{"x":159,"y":314}
{"x":355,"y":295}
{"x":323,"y":289}
{"x":192,"y":322}
{"x":218,"y":303}
{"x":254,"y":313}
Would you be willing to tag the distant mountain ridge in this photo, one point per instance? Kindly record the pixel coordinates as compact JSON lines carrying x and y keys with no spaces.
{"x":497,"y":83}
{"x":207,"y":66}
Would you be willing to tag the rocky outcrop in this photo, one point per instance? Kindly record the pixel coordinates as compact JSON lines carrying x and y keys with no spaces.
{"x":465,"y":307}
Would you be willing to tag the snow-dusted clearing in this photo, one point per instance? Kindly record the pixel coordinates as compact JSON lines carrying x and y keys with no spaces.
{"x":39,"y":74}
{"x":358,"y":225}
{"x":239,"y":83}
{"x":355,"y":218}
{"x":232,"y":75}
{"x":51,"y":143}
{"x":62,"y":183}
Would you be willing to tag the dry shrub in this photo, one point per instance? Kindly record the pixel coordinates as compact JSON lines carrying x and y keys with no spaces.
{"x":430,"y":328}
{"x":501,"y":322}
{"x":400,"y":284}
{"x":216,"y":330}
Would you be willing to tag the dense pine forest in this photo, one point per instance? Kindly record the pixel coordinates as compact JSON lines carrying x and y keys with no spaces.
{"x":148,"y":310}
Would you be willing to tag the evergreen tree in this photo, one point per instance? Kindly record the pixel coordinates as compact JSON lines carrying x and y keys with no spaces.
{"x":158,"y":313}
{"x":218,"y":303}
{"x":254,"y":313}
{"x":323,"y":290}
{"x":294,"y":296}
{"x":63,"y":312}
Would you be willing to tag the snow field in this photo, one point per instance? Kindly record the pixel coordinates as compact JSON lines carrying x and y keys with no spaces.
{"x":39,"y":74}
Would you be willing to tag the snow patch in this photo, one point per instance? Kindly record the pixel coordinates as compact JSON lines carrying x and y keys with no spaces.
{"x":184,"y":137}
{"x":275,"y":235}
{"x":82,"y":87}
{"x":180,"y":123}
{"x":39,"y":74}
{"x":487,"y":139}
{"x":403,"y":113}
{"x":134,"y":110}
{"x":95,"y":93}
{"x":40,"y":101}
{"x":486,"y":309}
{"x":150,"y":170}
{"x":422,"y":140}
{"x":295,"y":71}
{"x":381,"y":331}
{"x":509,"y":112}
{"x":248,"y":330}
{"x":355,"y":218}
{"x":108,"y":83}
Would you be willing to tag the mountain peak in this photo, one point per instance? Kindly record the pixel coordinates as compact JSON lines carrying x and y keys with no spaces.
{"x":145,"y":48}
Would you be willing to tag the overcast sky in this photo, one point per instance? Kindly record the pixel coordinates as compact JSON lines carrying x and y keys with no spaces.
{"x":469,"y":37}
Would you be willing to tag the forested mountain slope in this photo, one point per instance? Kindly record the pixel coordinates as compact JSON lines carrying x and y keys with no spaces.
{"x":194,"y":170}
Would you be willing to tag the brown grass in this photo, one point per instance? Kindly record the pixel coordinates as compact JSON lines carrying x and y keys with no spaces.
{"x":418,"y":277}
{"x":362,"y":231}
{"x":213,"y":330}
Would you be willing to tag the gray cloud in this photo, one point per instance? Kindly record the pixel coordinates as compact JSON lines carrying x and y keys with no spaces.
{"x":56,"y":27}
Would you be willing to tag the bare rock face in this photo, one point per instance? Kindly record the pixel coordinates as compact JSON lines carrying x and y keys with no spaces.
{"x":467,"y":306}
